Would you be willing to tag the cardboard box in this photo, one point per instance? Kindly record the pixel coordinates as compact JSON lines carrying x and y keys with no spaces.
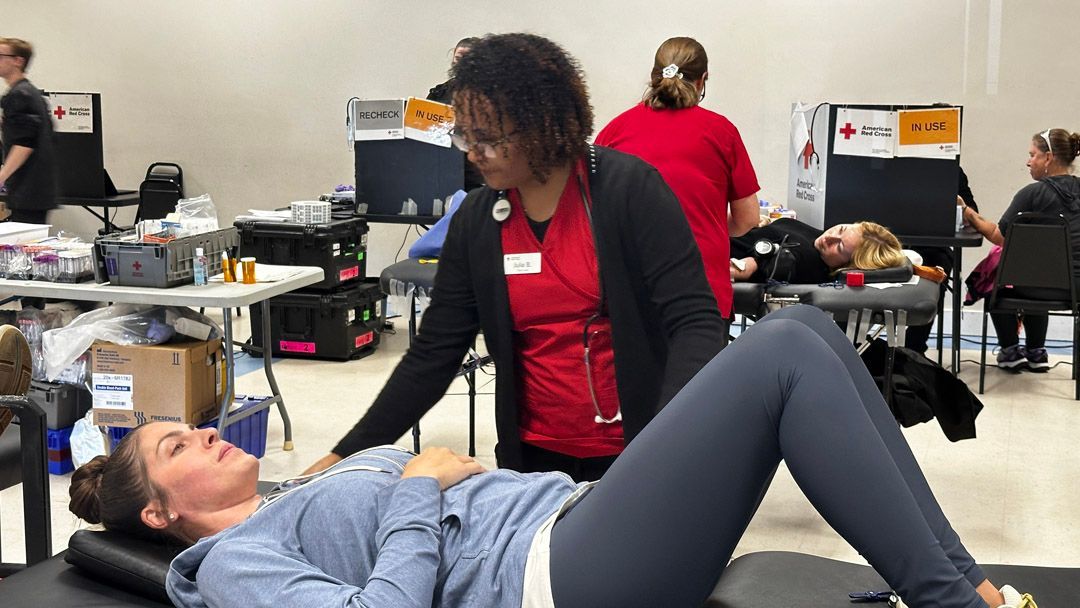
{"x":172,"y":383}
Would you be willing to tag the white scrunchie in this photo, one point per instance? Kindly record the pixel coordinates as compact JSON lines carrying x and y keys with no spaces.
{"x":671,"y":71}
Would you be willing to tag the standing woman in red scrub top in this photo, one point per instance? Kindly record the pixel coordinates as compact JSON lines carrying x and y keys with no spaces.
{"x":576,"y":262}
{"x":698,"y":152}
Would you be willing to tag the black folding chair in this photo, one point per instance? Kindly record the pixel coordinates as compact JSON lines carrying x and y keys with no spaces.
{"x":1035,"y":275}
{"x":159,"y":192}
{"x":24,"y":458}
{"x":162,"y":187}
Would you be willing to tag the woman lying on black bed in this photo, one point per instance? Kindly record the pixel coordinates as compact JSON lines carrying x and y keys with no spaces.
{"x":387,"y":528}
{"x":790,"y":251}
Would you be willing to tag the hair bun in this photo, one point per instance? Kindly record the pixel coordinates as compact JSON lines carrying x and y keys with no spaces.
{"x":1074,"y":144}
{"x":85,"y":490}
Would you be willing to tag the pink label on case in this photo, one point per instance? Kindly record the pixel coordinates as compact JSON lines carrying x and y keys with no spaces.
{"x":365,"y":339}
{"x":349,"y":273}
{"x":297,"y":347}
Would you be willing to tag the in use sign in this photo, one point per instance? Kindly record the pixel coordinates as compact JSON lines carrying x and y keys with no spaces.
{"x":933,"y":133}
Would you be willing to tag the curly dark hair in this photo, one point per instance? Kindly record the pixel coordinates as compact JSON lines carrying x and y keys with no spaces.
{"x":537,"y":85}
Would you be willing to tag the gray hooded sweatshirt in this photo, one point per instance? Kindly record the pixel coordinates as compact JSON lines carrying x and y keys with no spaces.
{"x":359,"y":535}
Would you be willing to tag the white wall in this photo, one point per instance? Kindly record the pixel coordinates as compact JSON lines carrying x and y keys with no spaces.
{"x":249,"y":96}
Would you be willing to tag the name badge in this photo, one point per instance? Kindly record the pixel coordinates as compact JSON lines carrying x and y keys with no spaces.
{"x":521,"y":263}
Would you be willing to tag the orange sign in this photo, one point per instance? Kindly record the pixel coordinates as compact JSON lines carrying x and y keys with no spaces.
{"x":921,"y":127}
{"x":426,"y":115}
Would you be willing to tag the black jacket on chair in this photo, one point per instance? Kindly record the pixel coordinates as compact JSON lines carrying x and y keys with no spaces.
{"x":665,"y":320}
{"x":923,"y":390}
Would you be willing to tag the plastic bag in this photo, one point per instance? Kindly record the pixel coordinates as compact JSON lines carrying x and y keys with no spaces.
{"x":400,"y":296}
{"x":33,"y":323}
{"x":429,"y":245}
{"x":197,"y":215}
{"x":119,"y":324}
{"x":87,"y":441}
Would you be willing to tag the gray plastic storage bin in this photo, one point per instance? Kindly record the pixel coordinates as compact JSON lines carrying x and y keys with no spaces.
{"x":123,"y":262}
{"x":63,"y":403}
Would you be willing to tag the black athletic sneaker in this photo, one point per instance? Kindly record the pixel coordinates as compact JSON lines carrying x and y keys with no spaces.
{"x":1037,"y":361}
{"x":1012,"y":358}
{"x":16,"y":368}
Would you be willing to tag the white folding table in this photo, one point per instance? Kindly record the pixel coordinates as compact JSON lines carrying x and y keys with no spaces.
{"x":225,"y":296}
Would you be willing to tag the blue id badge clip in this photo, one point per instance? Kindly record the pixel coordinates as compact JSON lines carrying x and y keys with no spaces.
{"x":872,"y":596}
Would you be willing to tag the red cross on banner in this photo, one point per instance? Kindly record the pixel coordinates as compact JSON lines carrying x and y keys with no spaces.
{"x":864,"y":132}
{"x":59,"y":112}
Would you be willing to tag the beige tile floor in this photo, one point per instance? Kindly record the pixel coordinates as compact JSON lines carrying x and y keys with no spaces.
{"x":1013,"y":494}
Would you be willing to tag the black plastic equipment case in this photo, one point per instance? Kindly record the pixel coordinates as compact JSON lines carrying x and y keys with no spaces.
{"x":64,"y":404}
{"x":339,"y":247}
{"x":345,"y":324}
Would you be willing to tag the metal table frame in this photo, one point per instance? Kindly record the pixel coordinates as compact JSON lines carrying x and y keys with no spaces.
{"x":215,"y":295}
{"x":122,"y":198}
{"x":956,"y":245}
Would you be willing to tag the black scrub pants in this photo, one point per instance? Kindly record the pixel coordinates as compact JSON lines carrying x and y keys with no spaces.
{"x":29,"y":216}
{"x":661,"y":525}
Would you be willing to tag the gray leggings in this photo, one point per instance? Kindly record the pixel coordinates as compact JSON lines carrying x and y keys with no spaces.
{"x":661,"y":526}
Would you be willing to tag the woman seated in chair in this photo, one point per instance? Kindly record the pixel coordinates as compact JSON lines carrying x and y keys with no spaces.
{"x":1050,"y":158}
{"x":387,"y":528}
{"x":790,"y":251}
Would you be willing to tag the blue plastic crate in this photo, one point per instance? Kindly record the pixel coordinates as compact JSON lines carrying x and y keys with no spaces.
{"x":61,"y":467}
{"x":248,"y":434}
{"x":57,"y":441}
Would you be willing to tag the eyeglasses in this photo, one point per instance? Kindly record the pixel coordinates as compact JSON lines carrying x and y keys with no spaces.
{"x":487,"y":149}
{"x":587,"y":335}
{"x":1046,"y":137}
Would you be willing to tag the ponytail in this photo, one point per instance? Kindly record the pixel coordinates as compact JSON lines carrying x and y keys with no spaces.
{"x":677,"y":67}
{"x":1065,"y":146}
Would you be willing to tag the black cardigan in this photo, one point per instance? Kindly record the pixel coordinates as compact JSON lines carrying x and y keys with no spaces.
{"x":665,"y":320}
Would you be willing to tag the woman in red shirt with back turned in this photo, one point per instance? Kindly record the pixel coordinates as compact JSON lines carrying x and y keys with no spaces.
{"x":698,"y":152}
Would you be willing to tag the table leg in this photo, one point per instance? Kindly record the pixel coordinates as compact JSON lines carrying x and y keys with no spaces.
{"x":104,"y":217}
{"x":411,"y":299}
{"x":470,"y":378}
{"x":958,"y":260}
{"x":230,"y":371}
{"x":267,"y":354}
{"x":941,"y":325}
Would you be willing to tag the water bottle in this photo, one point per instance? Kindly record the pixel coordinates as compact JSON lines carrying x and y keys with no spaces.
{"x":200,"y":266}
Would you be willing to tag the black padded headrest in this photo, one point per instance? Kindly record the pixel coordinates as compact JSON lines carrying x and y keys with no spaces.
{"x":130,"y":563}
{"x":895,"y":274}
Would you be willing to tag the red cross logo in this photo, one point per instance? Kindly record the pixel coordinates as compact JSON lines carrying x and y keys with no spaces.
{"x":59,"y":112}
{"x":807,"y":152}
{"x":847,"y":131}
{"x":137,"y":266}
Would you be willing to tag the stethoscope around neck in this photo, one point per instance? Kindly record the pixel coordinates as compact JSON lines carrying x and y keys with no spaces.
{"x":500,"y":212}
